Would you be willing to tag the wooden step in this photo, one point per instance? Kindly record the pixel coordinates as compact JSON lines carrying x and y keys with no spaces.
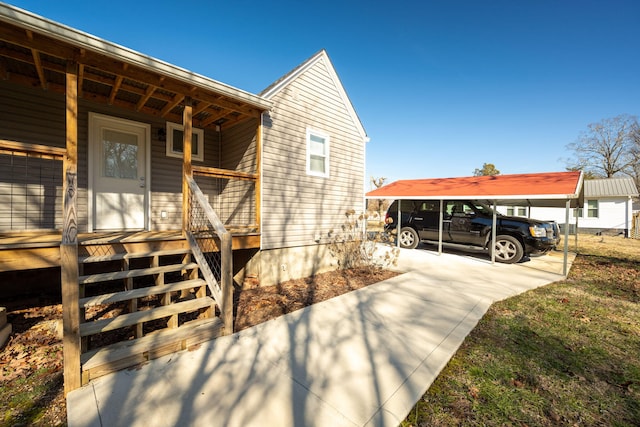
{"x":140,"y":293}
{"x":126,"y":255}
{"x":124,"y":354}
{"x":105,"y":277}
{"x":130,"y":319}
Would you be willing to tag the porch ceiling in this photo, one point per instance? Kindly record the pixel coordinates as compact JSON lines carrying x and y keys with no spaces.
{"x":35,"y":52}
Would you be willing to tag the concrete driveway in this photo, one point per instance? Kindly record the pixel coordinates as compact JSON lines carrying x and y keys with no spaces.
{"x":361,"y":359}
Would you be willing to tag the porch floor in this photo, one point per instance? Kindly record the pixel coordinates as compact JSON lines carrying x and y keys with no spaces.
{"x":31,"y":250}
{"x":23,"y":240}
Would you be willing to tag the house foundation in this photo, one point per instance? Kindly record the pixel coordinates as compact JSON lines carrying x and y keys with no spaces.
{"x":273,"y":266}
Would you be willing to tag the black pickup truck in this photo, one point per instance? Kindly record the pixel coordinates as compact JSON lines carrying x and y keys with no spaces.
{"x":469,"y":223}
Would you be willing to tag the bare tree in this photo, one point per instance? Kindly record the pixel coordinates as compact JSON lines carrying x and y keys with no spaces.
{"x":635,"y":153}
{"x":377,"y":205}
{"x":606,"y":149}
{"x":585,"y":174}
{"x":378,"y":182}
{"x":488,"y":169}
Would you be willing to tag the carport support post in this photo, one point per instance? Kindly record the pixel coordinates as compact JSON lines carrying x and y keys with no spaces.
{"x":440,"y":227}
{"x":566,"y":237}
{"x":576,"y":234}
{"x":493,"y":233}
{"x":399,"y":226}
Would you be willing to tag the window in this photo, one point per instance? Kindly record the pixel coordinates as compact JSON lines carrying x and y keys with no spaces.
{"x":119,"y":154}
{"x":317,"y":153}
{"x":592,"y":209}
{"x":430,"y":206}
{"x":516,"y":211}
{"x":457,"y":208}
{"x":175,"y":136}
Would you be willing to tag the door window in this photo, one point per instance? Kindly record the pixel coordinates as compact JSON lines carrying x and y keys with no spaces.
{"x":119,"y":154}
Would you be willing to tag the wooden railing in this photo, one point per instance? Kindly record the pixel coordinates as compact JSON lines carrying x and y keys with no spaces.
{"x":238,"y":204}
{"x":31,"y":185}
{"x":36,"y":150}
{"x":211,"y":245}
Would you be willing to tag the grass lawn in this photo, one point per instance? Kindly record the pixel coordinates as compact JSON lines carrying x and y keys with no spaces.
{"x":564,"y":354}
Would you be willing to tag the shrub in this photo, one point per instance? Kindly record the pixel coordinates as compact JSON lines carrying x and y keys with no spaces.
{"x":355,"y":248}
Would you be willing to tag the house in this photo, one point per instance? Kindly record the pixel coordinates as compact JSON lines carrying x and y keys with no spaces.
{"x":143,"y":184}
{"x":312,"y":169}
{"x":607,"y":208}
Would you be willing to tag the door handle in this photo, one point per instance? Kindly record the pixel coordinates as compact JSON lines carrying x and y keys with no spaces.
{"x":142,"y":184}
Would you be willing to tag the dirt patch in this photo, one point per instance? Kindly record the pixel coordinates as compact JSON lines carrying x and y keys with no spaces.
{"x":31,"y":381}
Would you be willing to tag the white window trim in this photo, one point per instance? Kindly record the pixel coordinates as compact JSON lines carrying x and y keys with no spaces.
{"x":326,"y":138}
{"x":583,"y":212}
{"x":173,"y":153}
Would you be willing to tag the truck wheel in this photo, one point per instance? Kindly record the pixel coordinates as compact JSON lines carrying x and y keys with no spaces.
{"x":508,"y":249}
{"x":408,"y":238}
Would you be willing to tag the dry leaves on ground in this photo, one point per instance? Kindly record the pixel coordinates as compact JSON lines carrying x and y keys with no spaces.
{"x":258,"y":305}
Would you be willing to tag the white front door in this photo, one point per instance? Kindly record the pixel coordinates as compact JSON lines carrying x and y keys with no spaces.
{"x":119,"y":171}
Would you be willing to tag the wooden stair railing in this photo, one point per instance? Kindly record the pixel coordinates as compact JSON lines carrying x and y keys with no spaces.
{"x":207,"y":237}
{"x":153,"y":303}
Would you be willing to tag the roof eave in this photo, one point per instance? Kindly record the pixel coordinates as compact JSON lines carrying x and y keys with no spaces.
{"x":285,"y":80}
{"x":29,"y":21}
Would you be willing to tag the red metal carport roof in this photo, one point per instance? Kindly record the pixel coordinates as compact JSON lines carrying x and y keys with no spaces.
{"x":533,"y":189}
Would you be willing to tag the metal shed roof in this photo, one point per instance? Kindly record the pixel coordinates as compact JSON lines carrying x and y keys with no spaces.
{"x":610,"y":187}
{"x":534,"y":189}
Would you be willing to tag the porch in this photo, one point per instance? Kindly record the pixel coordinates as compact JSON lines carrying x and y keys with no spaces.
{"x":128,"y":296}
{"x":95,"y":137}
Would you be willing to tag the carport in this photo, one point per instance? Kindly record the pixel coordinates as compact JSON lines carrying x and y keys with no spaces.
{"x":550,"y":189}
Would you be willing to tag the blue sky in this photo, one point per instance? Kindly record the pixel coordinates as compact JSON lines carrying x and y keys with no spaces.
{"x":440,"y":86}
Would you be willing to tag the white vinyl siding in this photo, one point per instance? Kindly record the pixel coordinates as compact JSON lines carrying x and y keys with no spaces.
{"x":298,"y":208}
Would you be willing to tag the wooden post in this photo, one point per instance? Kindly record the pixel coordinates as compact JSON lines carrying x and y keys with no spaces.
{"x":69,"y":241}
{"x":226,"y":268}
{"x":133,"y":304}
{"x":187,"y":170}
{"x":258,"y":182}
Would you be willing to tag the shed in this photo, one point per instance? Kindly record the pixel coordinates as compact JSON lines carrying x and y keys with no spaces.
{"x":553,"y":189}
{"x":608,"y":208}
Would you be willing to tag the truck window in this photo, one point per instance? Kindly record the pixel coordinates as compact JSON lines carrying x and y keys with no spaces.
{"x":430,"y":206}
{"x":454,"y":208}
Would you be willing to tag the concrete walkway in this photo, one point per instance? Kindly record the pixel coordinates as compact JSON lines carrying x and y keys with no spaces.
{"x":361,"y":359}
